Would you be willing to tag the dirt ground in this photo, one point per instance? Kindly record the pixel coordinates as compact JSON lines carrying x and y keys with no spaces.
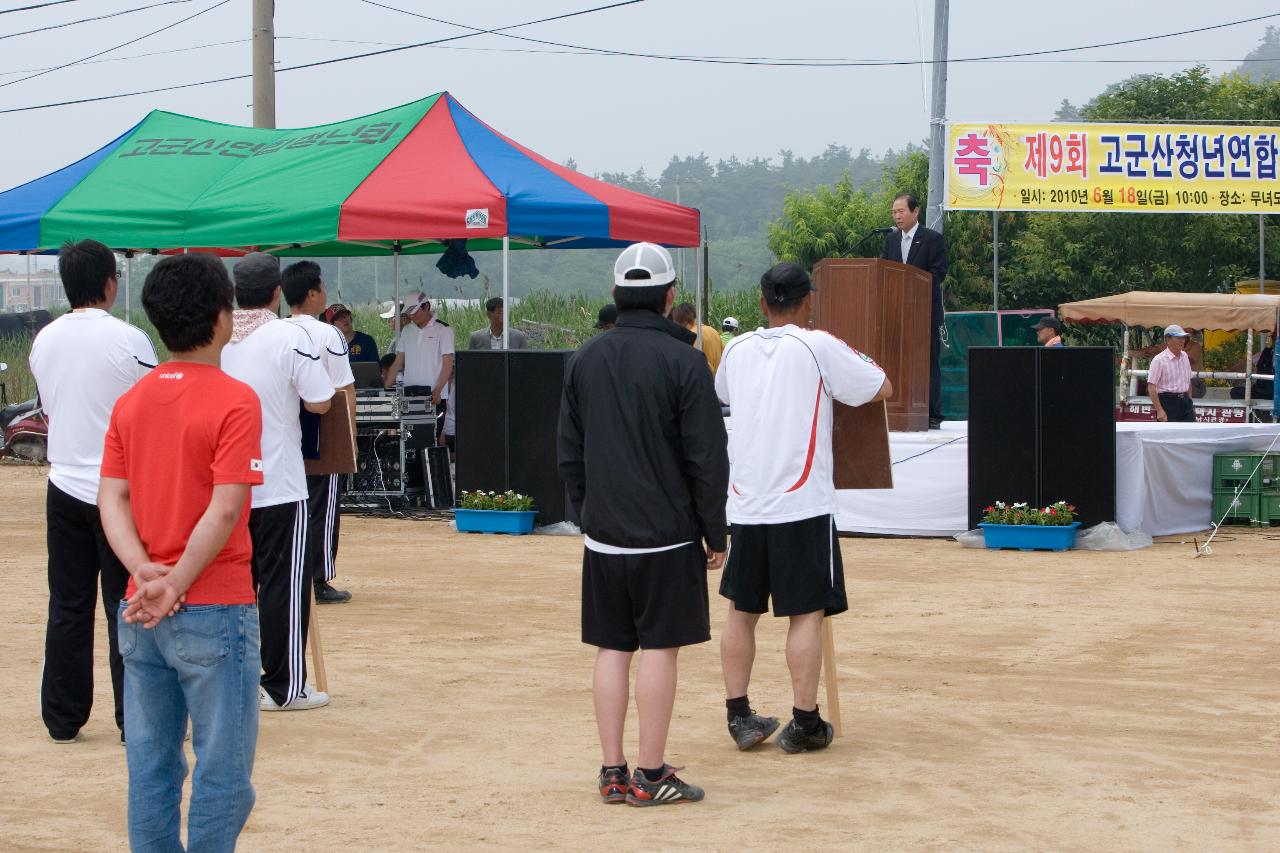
{"x":991,"y":701}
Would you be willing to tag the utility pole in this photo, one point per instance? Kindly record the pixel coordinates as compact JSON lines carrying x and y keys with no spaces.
{"x":938,"y":116}
{"x":264,"y":63}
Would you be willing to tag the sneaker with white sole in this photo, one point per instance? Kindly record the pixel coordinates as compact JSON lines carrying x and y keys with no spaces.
{"x":309,"y":698}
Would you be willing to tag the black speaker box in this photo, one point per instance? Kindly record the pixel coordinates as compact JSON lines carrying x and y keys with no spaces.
{"x":1042,"y":428}
{"x":480,"y":395}
{"x":508,"y":408}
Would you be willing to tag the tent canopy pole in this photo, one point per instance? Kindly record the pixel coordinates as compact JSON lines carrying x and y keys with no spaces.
{"x":506,"y":302}
{"x":395,"y":288}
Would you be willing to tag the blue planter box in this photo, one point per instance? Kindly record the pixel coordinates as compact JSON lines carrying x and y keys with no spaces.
{"x":494,"y":521}
{"x":1030,"y":537}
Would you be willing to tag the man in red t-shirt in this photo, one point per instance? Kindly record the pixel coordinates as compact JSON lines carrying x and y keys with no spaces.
{"x":182,"y":451}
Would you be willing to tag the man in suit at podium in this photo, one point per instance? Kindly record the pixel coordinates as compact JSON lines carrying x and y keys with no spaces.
{"x":912,"y":243}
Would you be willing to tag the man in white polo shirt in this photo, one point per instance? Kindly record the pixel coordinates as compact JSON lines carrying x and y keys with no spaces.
{"x":780,"y":384}
{"x":82,"y":362}
{"x":1169,"y":379}
{"x":425,"y":351}
{"x":304,"y":290}
{"x":278,"y":361}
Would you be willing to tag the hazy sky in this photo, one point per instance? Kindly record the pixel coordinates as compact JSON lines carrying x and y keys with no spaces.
{"x":607,"y":112}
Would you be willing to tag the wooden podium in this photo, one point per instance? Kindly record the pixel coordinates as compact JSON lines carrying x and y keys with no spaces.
{"x":880,"y":308}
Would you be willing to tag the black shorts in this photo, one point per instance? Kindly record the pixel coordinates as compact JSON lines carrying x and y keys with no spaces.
{"x":650,"y":601}
{"x":797,"y":563}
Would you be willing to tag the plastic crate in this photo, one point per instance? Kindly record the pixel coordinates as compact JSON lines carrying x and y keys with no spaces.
{"x":1243,"y":507}
{"x":1232,"y":469}
{"x":1269,"y":509}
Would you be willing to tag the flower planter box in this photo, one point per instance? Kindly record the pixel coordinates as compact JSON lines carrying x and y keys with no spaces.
{"x":1030,"y":537}
{"x":494,"y":521}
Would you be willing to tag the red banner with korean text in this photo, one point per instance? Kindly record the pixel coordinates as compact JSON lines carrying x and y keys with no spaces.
{"x":1145,"y":168}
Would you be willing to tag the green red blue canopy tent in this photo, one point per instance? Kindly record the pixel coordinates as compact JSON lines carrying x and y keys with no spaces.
{"x":403,"y":180}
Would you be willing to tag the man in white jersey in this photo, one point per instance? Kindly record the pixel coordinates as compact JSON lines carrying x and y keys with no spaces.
{"x":82,"y":362}
{"x":780,"y":384}
{"x":304,"y":290}
{"x":277,"y":360}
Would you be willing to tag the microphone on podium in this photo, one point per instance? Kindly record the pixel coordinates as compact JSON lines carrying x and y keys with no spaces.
{"x":872,"y":233}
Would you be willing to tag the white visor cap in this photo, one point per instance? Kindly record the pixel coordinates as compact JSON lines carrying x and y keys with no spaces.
{"x":651,"y":258}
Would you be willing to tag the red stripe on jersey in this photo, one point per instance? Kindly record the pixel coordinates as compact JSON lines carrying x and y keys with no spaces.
{"x":813,"y":442}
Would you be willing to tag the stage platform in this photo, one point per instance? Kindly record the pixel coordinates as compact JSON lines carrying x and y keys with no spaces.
{"x":1163,"y":479}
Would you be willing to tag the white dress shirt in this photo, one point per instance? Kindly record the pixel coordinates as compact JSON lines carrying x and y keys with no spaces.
{"x":907,"y":237}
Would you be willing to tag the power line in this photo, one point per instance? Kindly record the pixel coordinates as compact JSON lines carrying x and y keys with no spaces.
{"x":581,"y":50}
{"x":586,"y":53}
{"x":116,"y":47}
{"x":88,"y":20}
{"x":593,"y":52}
{"x":132,"y":57}
{"x":802,"y":62}
{"x":37,"y":6}
{"x":318,"y":63}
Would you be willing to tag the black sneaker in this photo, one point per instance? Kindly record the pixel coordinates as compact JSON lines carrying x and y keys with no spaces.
{"x":613,"y":786}
{"x":749,"y":731}
{"x":668,"y":790}
{"x":793,"y":739}
{"x":326,"y":594}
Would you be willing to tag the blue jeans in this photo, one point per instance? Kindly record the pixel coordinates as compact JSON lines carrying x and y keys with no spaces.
{"x":202,"y":662}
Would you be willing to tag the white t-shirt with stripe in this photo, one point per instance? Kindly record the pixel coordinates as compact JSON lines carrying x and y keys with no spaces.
{"x":278,"y":362}
{"x":331,"y":346}
{"x":779,"y":384}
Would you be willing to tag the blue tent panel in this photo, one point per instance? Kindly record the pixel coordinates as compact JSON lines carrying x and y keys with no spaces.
{"x":22,"y":207}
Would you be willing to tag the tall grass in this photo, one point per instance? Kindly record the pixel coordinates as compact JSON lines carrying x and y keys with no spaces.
{"x":556,"y":320}
{"x":18,"y":384}
{"x":552,"y":321}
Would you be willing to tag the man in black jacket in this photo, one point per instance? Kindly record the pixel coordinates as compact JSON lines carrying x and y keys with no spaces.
{"x":912,"y":243}
{"x":644,"y":453}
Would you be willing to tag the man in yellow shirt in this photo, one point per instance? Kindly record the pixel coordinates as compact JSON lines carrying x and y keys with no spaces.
{"x":686,"y":315}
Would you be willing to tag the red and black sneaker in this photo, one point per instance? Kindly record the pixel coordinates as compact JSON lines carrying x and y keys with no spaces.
{"x":668,"y":790}
{"x":613,"y":786}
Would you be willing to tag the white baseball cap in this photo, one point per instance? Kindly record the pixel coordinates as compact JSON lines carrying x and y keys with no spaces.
{"x":415,"y":302}
{"x":730,"y":324}
{"x":389,"y":309}
{"x":646,"y":257}
{"x":1175,"y":331}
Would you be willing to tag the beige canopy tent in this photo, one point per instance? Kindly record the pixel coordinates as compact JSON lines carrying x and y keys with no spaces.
{"x":1230,"y":312}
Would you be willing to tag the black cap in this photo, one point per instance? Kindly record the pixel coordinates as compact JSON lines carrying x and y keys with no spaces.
{"x":1048,"y":323}
{"x":785,"y":281}
{"x":608,"y":316}
{"x":257,"y":270}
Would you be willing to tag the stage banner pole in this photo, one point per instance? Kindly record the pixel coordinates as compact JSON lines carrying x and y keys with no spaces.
{"x":1262,"y":254}
{"x":995,"y":261}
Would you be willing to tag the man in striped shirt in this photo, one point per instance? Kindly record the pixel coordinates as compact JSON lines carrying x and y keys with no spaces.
{"x":1169,"y":379}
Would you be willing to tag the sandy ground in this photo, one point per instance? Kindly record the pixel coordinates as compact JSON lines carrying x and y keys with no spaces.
{"x":992,"y":701}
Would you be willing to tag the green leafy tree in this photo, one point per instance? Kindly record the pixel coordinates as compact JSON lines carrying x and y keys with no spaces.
{"x":831,"y":221}
{"x":1062,"y":257}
